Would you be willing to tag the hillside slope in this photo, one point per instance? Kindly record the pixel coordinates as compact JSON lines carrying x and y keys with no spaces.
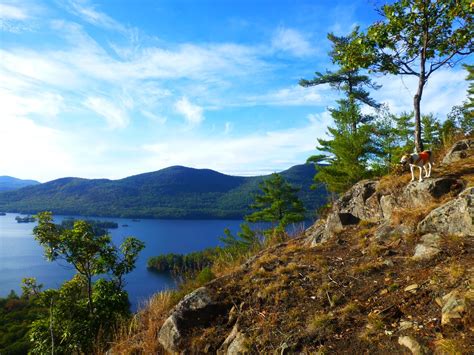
{"x":389,"y":270}
{"x":8,"y":183}
{"x":174,"y":192}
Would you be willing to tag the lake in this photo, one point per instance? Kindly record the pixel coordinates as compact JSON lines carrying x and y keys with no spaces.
{"x":21,"y":256}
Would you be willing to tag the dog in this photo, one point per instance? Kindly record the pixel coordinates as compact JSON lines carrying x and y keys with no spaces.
{"x":419,"y":160}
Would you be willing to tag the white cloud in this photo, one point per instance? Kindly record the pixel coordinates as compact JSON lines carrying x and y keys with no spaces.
{"x":30,"y":150}
{"x":291,"y":41}
{"x":10,"y":12}
{"x":193,"y":114}
{"x":88,"y":13}
{"x":257,"y":153}
{"x":444,"y":89}
{"x":293,"y":96}
{"x":115,"y":116}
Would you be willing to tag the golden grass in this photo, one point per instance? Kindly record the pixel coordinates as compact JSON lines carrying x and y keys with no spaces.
{"x":448,"y":346}
{"x":140,"y":334}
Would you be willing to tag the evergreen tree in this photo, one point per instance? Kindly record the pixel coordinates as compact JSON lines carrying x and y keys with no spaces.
{"x":431,"y":131}
{"x":278,"y":203}
{"x":350,"y":145}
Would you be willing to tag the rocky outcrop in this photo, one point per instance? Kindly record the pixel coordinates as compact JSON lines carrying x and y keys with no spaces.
{"x":196,"y":309}
{"x":460,"y":150}
{"x":453,"y":218}
{"x":418,"y":194}
{"x":361,"y":202}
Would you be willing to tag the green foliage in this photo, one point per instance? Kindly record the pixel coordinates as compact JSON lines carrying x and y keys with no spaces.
{"x":206,"y":275}
{"x":183,"y":263}
{"x":415,"y":37}
{"x":278,"y":203}
{"x":82,"y":310}
{"x":16,"y":315}
{"x":431,"y":131}
{"x":350,"y":145}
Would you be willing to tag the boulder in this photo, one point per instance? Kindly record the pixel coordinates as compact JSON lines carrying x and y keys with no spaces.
{"x":453,"y":218}
{"x":361,"y":202}
{"x":460,"y":150}
{"x":428,"y":248}
{"x":418,"y":194}
{"x":195,"y":309}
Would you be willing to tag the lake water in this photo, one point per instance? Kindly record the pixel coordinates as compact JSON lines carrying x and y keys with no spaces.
{"x":21,"y":256}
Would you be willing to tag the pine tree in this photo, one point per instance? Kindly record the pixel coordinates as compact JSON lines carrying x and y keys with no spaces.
{"x":277,"y":204}
{"x":350,"y":145}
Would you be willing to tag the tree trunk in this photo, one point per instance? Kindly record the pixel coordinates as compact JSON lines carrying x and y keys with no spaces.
{"x":416,"y":106}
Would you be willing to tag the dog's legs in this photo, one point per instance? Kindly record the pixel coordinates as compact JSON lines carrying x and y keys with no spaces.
{"x":421,"y":174}
{"x":426,"y":171}
{"x":429,"y":169}
{"x":412,"y":174}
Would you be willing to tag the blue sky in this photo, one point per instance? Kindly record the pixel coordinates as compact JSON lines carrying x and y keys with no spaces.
{"x":115,"y":88}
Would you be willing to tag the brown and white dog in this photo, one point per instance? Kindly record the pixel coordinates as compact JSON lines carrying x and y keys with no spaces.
{"x":419,"y":160}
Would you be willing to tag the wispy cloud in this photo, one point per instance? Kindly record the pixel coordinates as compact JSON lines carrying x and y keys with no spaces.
{"x":293,"y":96}
{"x":114,"y":115}
{"x":89,"y":13}
{"x":193,"y":114}
{"x":291,"y":41}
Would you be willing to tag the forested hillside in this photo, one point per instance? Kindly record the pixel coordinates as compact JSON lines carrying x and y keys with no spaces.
{"x":174,"y":192}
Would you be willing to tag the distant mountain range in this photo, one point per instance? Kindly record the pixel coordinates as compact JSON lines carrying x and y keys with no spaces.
{"x":174,"y":192}
{"x":8,"y":183}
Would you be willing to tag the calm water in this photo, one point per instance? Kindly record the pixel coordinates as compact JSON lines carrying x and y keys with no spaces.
{"x":21,"y":256}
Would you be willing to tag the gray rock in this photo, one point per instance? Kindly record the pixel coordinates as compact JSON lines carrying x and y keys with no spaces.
{"x":460,"y":150}
{"x":385,"y":231}
{"x":453,"y":218}
{"x":316,"y":234}
{"x":361,"y":202}
{"x":428,"y":248}
{"x":454,"y":305}
{"x":193,"y":310}
{"x":411,"y":344}
{"x":235,"y":343}
{"x":418,"y":194}
{"x":387,"y":204}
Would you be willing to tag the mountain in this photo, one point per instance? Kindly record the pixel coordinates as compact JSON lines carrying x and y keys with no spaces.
{"x":174,"y":192}
{"x":8,"y":183}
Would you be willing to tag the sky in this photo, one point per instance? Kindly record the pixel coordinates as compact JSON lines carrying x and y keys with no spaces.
{"x":109,"y":89}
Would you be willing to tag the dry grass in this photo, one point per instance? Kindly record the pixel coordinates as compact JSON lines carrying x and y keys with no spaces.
{"x":140,"y":335}
{"x":320,"y":324}
{"x":393,"y":182}
{"x":448,"y":346}
{"x":412,"y":216}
